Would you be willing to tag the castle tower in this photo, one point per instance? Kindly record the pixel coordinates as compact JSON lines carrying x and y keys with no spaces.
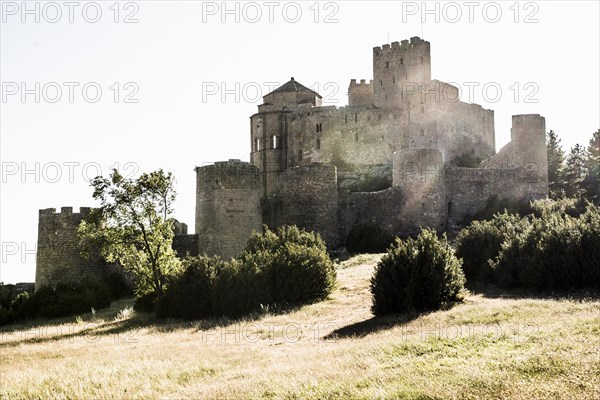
{"x":227,"y":207}
{"x":397,"y":66}
{"x":360,"y":93}
{"x":269,"y":129}
{"x":420,"y":176}
{"x":58,"y":255}
{"x":528,"y":139}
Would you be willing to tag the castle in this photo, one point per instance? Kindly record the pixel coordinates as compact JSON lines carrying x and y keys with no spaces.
{"x":404,"y":153}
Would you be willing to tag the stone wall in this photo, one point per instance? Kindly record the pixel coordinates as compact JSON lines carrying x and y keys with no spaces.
{"x":308,"y":198}
{"x":228,"y":207}
{"x":396,"y":64}
{"x":419,"y":173}
{"x":58,"y":254}
{"x":382,"y":208}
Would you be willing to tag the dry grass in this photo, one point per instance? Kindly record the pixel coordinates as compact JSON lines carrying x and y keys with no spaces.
{"x":488,"y":347}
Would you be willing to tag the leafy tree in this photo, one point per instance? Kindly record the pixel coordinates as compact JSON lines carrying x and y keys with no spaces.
{"x":592,"y":181}
{"x":575,"y":172}
{"x":133,"y":227}
{"x":556,"y":157}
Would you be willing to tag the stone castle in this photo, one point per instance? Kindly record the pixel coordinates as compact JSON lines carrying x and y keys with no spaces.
{"x":404,"y":153}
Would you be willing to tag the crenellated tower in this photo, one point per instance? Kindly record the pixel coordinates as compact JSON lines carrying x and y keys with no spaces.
{"x":397,"y":65}
{"x":58,"y":253}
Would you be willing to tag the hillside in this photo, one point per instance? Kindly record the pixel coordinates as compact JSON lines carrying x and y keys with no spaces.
{"x":489,"y":347}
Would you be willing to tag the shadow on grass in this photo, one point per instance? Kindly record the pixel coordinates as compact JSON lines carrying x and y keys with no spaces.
{"x":372,"y":325}
{"x":121,"y":330}
{"x":495,"y":292}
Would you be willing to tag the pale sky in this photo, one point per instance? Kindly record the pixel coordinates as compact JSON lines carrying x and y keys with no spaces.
{"x":198,"y":71}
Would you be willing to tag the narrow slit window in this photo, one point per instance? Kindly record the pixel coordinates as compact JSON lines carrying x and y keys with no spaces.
{"x":300,"y":155}
{"x":274,"y":141}
{"x":318,"y":144}
{"x":402,"y":61}
{"x":387,"y":64}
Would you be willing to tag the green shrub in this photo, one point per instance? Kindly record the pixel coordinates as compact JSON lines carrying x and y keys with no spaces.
{"x":240,"y":289}
{"x":417,"y":274}
{"x":190,"y":295}
{"x":297,"y":269}
{"x":145,"y":302}
{"x":368,"y":238}
{"x":68,"y":298}
{"x":280,"y":269}
{"x":118,"y":285}
{"x":480,"y":243}
{"x":5,"y":295}
{"x":557,"y":252}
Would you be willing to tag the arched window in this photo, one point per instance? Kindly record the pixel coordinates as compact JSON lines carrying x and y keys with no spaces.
{"x":274,"y":141}
{"x":402,"y":61}
{"x":257,"y":144}
{"x":421,"y":132}
{"x":318,"y":144}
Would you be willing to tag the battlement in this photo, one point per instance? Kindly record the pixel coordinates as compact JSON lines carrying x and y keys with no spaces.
{"x":402,"y":46}
{"x":362,"y":82}
{"x":65,"y":211}
{"x":360,"y":93}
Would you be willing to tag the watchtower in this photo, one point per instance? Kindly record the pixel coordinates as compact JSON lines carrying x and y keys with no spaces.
{"x":227,"y":207}
{"x":398,"y":65}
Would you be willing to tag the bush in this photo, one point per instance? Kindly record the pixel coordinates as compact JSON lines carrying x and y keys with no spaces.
{"x":557,"y":252}
{"x":68,"y":298}
{"x":368,"y":238}
{"x":416,"y":274}
{"x":118,"y":285}
{"x":190,"y":296}
{"x":286,"y":268}
{"x":480,"y":243}
{"x":295,"y":263}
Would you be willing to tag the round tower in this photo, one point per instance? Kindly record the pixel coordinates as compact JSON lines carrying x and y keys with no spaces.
{"x":419,"y":173}
{"x":227,"y":207}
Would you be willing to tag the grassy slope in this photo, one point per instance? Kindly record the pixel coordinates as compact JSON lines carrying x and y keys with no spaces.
{"x":485,"y":348}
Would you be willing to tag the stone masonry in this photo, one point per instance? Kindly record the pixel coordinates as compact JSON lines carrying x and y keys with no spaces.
{"x":404,"y":153}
